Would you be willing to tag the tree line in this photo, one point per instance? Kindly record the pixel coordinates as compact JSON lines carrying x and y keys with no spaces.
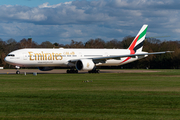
{"x":164,"y":61}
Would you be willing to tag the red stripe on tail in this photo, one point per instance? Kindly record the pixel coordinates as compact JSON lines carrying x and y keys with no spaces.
{"x":134,"y":43}
{"x":131,"y":49}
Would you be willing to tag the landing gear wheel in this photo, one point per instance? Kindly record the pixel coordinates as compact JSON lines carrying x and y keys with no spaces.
{"x":17,"y":72}
{"x":75,"y":71}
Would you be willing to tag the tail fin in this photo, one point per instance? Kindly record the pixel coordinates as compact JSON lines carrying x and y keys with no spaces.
{"x":137,"y":44}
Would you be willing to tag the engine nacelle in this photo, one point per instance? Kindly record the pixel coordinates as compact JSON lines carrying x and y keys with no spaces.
{"x":45,"y":68}
{"x":85,"y":64}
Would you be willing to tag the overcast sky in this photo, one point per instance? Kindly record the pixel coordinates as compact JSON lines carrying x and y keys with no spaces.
{"x":63,"y":20}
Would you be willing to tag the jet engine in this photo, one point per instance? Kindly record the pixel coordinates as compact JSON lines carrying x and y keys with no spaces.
{"x":85,"y":64}
{"x":45,"y":68}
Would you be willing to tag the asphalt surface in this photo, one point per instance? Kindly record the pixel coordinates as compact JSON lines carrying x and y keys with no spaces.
{"x":63,"y":71}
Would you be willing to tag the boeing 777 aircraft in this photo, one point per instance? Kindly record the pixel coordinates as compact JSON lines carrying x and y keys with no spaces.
{"x":79,"y":59}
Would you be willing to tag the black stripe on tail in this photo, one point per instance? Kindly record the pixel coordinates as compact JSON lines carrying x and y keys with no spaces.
{"x":138,"y":46}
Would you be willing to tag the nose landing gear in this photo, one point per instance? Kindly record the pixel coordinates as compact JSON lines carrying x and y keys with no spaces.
{"x":17,"y":72}
{"x":17,"y":68}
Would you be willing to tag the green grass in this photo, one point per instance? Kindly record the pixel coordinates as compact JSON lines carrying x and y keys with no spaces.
{"x":127,"y":96}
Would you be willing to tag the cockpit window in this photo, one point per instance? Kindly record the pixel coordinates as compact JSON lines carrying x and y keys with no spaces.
{"x":12,"y":55}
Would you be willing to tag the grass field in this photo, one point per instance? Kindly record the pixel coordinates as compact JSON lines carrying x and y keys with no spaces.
{"x":127,"y":96}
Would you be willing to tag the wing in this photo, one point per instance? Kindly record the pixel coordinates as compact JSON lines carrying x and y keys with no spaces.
{"x":103,"y":59}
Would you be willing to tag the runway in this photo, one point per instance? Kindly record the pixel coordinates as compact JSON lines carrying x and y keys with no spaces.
{"x":63,"y":71}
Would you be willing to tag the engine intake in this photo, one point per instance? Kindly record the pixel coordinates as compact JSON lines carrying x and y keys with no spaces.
{"x":85,"y":64}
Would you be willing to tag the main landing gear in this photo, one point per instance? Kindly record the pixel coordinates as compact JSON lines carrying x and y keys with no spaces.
{"x":17,"y":68}
{"x":72,"y":71}
{"x":76,"y":71}
{"x":93,"y":71}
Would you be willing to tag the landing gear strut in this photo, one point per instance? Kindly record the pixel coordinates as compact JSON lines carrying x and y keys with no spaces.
{"x":72,"y":71}
{"x":17,"y":68}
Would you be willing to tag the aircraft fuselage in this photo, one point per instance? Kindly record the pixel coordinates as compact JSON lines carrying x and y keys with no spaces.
{"x":61,"y":57}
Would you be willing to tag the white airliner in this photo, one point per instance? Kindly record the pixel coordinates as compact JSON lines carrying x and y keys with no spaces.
{"x":79,"y":59}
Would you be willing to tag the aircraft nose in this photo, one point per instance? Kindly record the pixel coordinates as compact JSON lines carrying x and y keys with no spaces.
{"x":6,"y":59}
